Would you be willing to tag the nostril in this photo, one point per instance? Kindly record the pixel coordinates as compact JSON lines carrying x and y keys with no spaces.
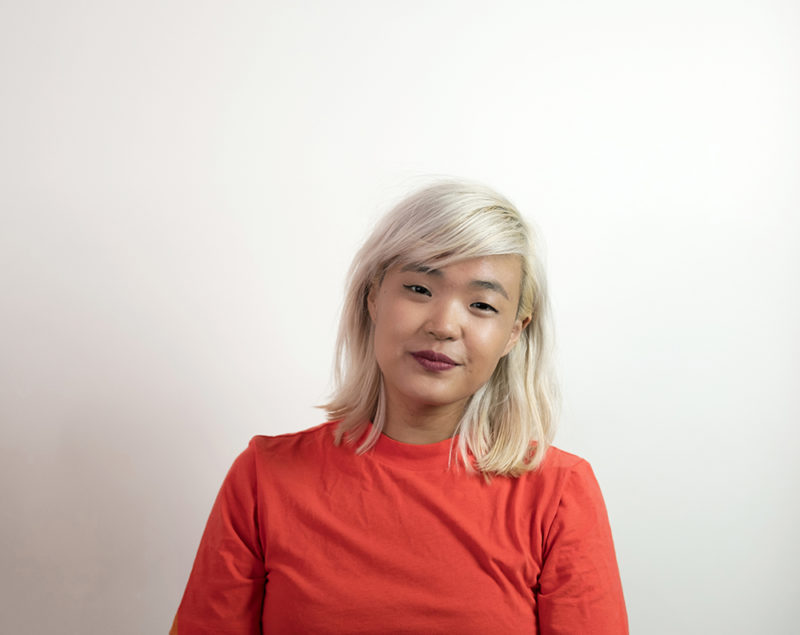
{"x":440,"y":334}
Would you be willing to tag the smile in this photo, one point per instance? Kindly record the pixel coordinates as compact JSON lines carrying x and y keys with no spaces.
{"x":431,"y":360}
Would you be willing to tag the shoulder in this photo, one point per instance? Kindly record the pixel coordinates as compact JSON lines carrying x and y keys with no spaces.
{"x":292,"y":447}
{"x":291,"y":456}
{"x":322,"y":433}
{"x":558,"y":459}
{"x":575,"y":474}
{"x":575,"y":491}
{"x":562,"y":484}
{"x":560,"y":467}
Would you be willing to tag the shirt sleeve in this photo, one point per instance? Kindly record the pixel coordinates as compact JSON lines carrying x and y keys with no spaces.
{"x":225,"y":591}
{"x":579,"y":588}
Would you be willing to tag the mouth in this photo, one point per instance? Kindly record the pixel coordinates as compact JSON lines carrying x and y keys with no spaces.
{"x":431,"y":360}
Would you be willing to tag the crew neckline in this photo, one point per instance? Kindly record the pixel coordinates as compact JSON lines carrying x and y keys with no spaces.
{"x":415,"y":456}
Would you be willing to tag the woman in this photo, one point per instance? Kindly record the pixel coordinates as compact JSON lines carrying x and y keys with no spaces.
{"x":431,"y":501}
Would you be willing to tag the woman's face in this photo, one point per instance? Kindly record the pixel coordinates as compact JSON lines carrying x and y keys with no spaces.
{"x":439,"y":333}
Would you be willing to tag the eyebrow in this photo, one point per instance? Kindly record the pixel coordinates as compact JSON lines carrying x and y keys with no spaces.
{"x":491,"y":285}
{"x":423,"y":269}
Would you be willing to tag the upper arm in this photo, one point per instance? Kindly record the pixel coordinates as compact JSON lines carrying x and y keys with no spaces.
{"x":225,"y":591}
{"x":579,"y":588}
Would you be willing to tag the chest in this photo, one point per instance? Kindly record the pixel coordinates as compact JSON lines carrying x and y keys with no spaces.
{"x":434,"y":552}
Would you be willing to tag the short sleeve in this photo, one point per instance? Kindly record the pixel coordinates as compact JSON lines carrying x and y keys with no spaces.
{"x":225,"y":591}
{"x":579,"y":588}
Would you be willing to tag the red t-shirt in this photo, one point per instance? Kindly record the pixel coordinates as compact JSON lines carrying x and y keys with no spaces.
{"x":308,"y":537}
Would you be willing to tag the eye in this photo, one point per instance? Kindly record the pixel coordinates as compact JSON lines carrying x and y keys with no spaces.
{"x":482,"y":306}
{"x":417,"y":288}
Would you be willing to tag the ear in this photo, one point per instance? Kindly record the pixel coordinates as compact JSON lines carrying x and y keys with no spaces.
{"x":371,"y":300}
{"x":516,"y":331}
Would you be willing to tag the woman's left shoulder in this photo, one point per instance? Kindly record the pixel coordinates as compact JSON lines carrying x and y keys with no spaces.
{"x":558,"y":463}
{"x":556,"y":458}
{"x":560,"y":471}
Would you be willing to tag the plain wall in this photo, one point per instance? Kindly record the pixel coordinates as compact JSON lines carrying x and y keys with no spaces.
{"x":183,"y":185}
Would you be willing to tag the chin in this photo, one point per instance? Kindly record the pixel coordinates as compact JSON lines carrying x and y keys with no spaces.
{"x":427,"y":399}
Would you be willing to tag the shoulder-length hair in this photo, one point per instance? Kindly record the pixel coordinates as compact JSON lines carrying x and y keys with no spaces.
{"x":509,"y":423}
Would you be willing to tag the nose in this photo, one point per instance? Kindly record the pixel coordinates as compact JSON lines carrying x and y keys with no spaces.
{"x":443,"y":320}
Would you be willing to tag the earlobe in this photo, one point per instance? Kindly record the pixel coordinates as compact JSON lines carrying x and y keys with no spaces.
{"x":516,"y":331}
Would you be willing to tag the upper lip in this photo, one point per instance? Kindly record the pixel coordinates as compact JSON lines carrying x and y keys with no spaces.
{"x":434,"y":357}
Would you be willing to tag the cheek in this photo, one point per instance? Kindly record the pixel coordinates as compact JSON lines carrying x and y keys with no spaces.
{"x":491,"y":345}
{"x":380,"y":337}
{"x":387,"y":334}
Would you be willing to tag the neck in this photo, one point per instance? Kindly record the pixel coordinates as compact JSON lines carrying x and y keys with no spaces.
{"x":421,"y":425}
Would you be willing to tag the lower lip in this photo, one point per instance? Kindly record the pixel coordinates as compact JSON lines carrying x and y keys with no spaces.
{"x":433,"y":365}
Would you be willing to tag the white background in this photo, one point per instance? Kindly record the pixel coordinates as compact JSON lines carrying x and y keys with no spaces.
{"x":183,"y":184}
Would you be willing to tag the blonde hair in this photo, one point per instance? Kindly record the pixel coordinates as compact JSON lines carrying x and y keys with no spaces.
{"x":509,"y":423}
